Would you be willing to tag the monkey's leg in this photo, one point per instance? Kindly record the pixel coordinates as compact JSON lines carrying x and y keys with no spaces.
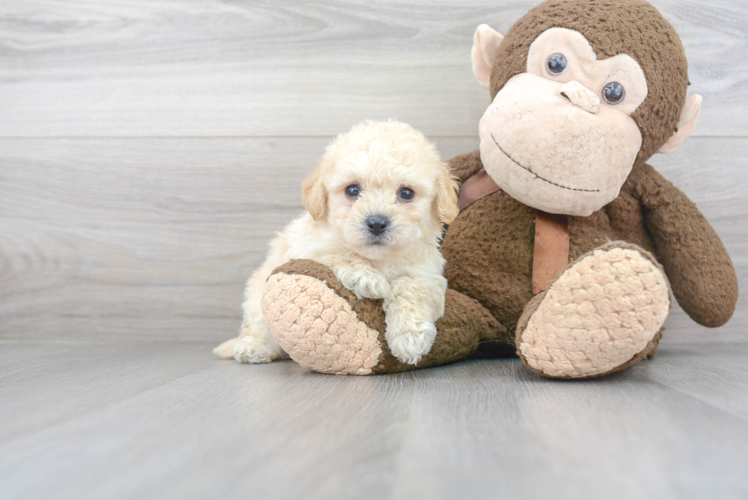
{"x":324,"y":327}
{"x":603,"y":313}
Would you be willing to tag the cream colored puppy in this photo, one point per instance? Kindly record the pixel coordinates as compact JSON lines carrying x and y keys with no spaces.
{"x":376,"y":206}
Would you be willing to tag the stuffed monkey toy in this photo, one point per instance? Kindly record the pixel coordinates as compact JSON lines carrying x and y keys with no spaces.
{"x":568,"y":245}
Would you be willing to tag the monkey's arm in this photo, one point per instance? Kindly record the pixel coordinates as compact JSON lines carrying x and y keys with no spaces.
{"x":463,"y":166}
{"x":695,"y":260}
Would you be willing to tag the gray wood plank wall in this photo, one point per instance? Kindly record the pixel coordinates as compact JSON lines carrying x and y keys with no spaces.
{"x":149,"y":150}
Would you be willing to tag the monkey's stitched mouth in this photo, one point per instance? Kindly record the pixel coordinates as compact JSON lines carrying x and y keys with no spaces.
{"x":537,"y":176}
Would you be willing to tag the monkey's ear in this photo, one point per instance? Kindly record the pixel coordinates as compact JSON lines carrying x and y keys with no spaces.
{"x":486,"y":42}
{"x":314,"y":195}
{"x":688,"y":118}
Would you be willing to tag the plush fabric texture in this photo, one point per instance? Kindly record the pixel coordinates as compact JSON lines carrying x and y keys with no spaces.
{"x":464,"y":166}
{"x":552,"y":156}
{"x":324,"y":327}
{"x":581,"y":97}
{"x":631,"y":27}
{"x":551,"y":253}
{"x":602,"y":311}
{"x":475,"y":188}
{"x":489,"y":246}
{"x":317,"y":327}
{"x":700,"y":270}
{"x":627,"y":69}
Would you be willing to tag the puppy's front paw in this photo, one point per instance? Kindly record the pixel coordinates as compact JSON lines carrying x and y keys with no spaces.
{"x":252,"y":350}
{"x":364,"y":284}
{"x":409,"y":347}
{"x":372,"y":286}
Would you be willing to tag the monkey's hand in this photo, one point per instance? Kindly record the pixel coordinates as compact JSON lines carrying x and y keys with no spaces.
{"x":695,"y":260}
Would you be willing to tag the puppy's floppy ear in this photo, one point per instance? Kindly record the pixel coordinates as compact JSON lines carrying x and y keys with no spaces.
{"x":446,"y":195}
{"x":314,"y":194}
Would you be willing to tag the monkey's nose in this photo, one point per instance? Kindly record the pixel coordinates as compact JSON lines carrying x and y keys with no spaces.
{"x":580,"y":96}
{"x":377,"y":224}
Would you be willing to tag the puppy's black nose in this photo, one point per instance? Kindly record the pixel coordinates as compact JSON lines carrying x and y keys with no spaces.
{"x":377,"y":224}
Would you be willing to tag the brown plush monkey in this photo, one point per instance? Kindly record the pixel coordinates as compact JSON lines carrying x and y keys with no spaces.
{"x":568,"y":244}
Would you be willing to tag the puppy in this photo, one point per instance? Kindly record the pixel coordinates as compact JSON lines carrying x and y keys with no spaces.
{"x":376,"y":206}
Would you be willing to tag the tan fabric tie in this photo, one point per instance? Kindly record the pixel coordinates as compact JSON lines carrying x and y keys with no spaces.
{"x":551,"y":254}
{"x":476,"y":187}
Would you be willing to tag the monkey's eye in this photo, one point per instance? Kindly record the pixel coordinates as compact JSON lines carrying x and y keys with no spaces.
{"x":406,"y":194}
{"x":557,"y":64}
{"x":353,"y":191}
{"x":614,"y":93}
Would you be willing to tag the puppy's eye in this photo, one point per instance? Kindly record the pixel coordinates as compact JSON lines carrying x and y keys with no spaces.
{"x":353,"y":191}
{"x":406,"y":194}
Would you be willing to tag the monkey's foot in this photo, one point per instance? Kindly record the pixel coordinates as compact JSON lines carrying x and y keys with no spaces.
{"x":313,"y":319}
{"x":604,"y":313}
{"x":324,"y":327}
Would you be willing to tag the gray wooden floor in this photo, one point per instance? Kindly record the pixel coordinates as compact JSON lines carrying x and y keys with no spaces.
{"x":150,"y":150}
{"x":138,"y":419}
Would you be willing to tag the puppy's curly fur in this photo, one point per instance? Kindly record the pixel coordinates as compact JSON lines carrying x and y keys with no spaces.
{"x":361,"y":224}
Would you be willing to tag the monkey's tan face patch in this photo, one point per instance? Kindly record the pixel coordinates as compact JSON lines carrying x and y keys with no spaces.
{"x":582,"y":66}
{"x":551,"y":140}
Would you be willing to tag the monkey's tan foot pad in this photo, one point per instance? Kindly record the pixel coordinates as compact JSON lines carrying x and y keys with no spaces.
{"x":603,"y":313}
{"x":312,"y":317}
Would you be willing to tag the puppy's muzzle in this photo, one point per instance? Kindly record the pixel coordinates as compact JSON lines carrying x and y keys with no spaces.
{"x":377,"y":224}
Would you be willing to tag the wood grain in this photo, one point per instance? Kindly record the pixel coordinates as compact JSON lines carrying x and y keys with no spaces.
{"x":142,"y":237}
{"x":165,"y":421}
{"x":150,"y":150}
{"x":154,"y":238}
{"x":148,"y":153}
{"x":268,"y":68}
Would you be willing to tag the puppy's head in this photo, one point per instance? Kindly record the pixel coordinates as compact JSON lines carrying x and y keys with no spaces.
{"x":383,"y":187}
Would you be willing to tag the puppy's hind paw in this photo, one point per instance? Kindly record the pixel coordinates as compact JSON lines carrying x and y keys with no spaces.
{"x":410,"y":347}
{"x":226,"y":350}
{"x":252,"y":350}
